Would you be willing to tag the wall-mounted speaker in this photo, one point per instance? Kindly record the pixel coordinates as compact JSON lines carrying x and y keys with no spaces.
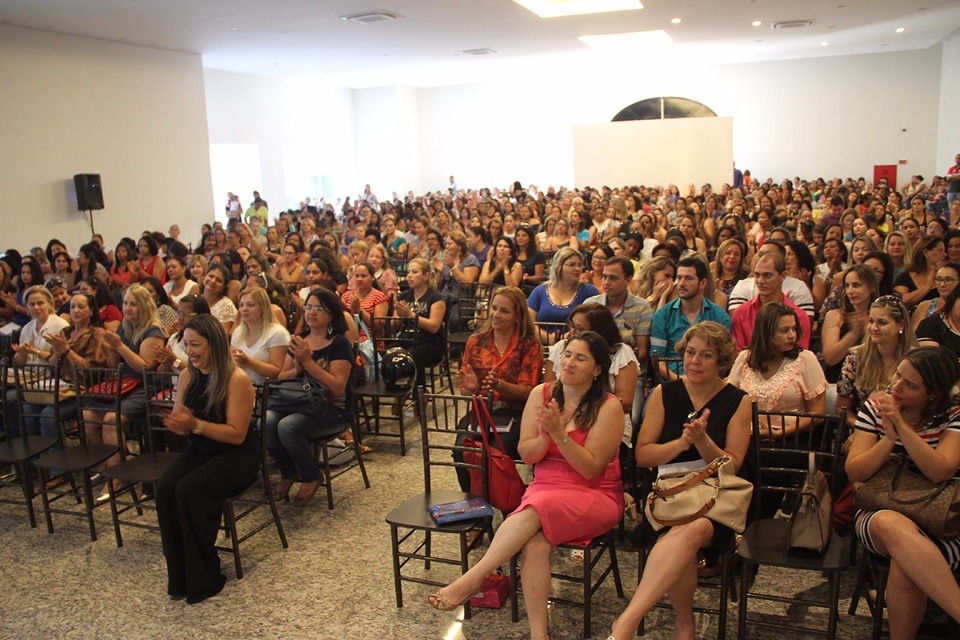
{"x":89,"y":191}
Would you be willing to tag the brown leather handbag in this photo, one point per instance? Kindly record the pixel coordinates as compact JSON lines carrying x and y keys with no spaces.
{"x":713,"y":491}
{"x":935,"y":508}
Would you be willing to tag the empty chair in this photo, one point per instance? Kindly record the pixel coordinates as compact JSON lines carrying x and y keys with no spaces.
{"x":93,"y":386}
{"x":412,"y":529}
{"x":36,"y":388}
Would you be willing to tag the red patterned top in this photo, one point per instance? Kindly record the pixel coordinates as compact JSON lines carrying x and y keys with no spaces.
{"x":521,"y":363}
{"x":368,"y":304}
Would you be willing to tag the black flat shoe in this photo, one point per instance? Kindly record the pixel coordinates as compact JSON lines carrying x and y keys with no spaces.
{"x":200,"y":597}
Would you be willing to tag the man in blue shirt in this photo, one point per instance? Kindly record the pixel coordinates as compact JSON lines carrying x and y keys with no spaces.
{"x":673,"y":319}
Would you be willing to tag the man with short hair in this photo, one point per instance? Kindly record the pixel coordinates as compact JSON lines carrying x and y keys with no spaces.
{"x":690,"y":307}
{"x":769,"y":274}
{"x":833,"y":212}
{"x":795,"y":289}
{"x":633,"y":315}
{"x":953,"y":182}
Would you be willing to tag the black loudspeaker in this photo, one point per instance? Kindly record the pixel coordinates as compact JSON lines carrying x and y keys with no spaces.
{"x":89,"y":191}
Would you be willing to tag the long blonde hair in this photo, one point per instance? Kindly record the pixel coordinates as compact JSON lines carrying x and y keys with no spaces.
{"x":869,"y":374}
{"x":146,"y":314}
{"x":262,"y":301}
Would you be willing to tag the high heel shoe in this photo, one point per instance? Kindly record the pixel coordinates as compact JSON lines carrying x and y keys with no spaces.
{"x":281,"y":491}
{"x":302,"y":499}
{"x":437,"y":601}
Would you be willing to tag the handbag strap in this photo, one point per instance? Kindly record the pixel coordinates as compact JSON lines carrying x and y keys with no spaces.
{"x":485,"y":422}
{"x":811,"y":469}
{"x":681,"y":521}
{"x":708,"y":471}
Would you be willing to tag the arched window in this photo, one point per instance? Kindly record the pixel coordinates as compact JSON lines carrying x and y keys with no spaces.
{"x":664,"y":107}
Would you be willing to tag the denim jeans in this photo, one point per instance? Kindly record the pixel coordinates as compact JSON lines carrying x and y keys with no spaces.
{"x":288,"y":440}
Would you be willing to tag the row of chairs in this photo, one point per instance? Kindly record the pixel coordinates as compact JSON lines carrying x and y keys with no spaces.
{"x":60,"y":461}
{"x":778,"y":466}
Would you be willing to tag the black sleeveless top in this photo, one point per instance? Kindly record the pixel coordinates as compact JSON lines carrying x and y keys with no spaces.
{"x":677,"y":408}
{"x":193,"y":399}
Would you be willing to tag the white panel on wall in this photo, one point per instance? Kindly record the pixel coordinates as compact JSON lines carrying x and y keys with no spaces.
{"x":650,"y":152}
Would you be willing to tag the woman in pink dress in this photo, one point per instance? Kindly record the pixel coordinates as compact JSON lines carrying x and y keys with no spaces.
{"x":572,"y":434}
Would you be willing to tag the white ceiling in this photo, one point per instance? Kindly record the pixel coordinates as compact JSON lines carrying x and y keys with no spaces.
{"x":308,"y":38}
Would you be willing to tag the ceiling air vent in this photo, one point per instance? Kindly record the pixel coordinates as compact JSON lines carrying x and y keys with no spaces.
{"x":791,"y":24}
{"x":486,"y":51}
{"x":370,"y":18}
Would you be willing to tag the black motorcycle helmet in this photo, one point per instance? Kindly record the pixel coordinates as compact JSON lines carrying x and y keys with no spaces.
{"x":398,"y":369}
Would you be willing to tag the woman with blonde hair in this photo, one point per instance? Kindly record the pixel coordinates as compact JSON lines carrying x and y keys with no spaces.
{"x":900,"y":251}
{"x":133,"y":347}
{"x":868,"y":368}
{"x":423,"y":302}
{"x":554,"y":300}
{"x":259,"y":342}
{"x":378,"y":256}
{"x":654,"y":282}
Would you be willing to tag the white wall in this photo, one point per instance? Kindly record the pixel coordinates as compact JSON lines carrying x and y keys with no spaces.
{"x":134,"y":115}
{"x":275,"y":113}
{"x":948,"y":141}
{"x":825,"y":116}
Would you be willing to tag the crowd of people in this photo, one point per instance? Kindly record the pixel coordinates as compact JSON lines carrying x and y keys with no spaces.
{"x":805,"y":295}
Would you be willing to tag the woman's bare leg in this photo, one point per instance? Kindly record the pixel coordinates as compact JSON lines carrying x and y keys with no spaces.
{"x":915,"y":562}
{"x":681,"y":598}
{"x":535,"y":578}
{"x":671,"y":560}
{"x":509,"y":539}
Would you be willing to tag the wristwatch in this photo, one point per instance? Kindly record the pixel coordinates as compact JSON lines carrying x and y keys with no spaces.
{"x":177,"y":364}
{"x":566,"y":439}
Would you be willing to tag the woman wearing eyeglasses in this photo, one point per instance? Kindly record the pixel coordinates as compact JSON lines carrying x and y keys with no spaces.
{"x":324,"y":353}
{"x":945,"y":282}
{"x":598,"y":259}
{"x":943,"y":329}
{"x":868,"y":367}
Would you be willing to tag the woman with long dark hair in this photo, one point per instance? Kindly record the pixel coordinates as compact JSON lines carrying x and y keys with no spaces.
{"x":213,"y":410}
{"x":502,"y":266}
{"x":571,"y":432}
{"x":324,"y":353}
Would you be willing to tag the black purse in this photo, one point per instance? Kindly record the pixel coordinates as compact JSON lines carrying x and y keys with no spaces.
{"x":298,"y":395}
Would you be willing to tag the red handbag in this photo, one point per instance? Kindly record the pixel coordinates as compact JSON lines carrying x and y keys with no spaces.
{"x":493,"y":592}
{"x":109,"y":388}
{"x":504,"y":485}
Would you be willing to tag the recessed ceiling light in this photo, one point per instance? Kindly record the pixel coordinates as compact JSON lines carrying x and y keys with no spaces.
{"x":757,"y":23}
{"x":900,"y":30}
{"x":486,"y":51}
{"x":676,"y":21}
{"x":624,"y":42}
{"x":823,"y":44}
{"x":370,"y":18}
{"x":556,"y":8}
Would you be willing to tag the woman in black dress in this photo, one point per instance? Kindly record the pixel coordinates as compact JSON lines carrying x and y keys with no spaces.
{"x":689,"y":422}
{"x":213,"y":409}
{"x":423,"y":302}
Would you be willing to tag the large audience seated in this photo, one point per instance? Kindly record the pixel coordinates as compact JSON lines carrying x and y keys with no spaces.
{"x":825,"y":287}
